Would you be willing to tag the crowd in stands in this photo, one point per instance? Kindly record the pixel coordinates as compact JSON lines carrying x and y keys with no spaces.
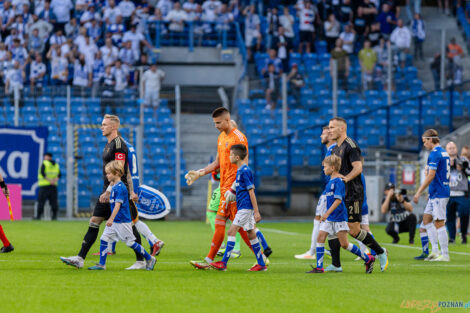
{"x":362,"y":31}
{"x":94,"y":44}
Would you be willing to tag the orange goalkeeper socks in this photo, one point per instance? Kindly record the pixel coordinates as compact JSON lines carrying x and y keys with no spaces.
{"x":217,"y":239}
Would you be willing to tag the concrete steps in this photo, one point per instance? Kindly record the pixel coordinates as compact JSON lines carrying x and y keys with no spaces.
{"x":199,"y":143}
{"x":435,"y":22}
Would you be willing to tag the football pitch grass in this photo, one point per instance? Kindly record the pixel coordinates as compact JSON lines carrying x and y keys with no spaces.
{"x":33,"y":279}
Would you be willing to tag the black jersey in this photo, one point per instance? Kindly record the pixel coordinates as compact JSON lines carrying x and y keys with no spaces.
{"x":398,"y":213}
{"x":350,"y":152}
{"x":115,"y":150}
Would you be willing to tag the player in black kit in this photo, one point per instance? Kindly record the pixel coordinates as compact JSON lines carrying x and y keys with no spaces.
{"x":115,"y":149}
{"x":351,"y":168}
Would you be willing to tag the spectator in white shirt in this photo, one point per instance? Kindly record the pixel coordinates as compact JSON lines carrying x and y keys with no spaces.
{"x":223,"y":19}
{"x":109,"y":52}
{"x":71,"y":28}
{"x":89,"y":15}
{"x":35,"y":42}
{"x":61,"y":9}
{"x":120,"y":76}
{"x":14,"y":79}
{"x":164,"y":6}
{"x":88,"y":49}
{"x":287,"y":22}
{"x":37,"y":71}
{"x":136,"y":39}
{"x":127,"y":55}
{"x":189,"y":7}
{"x":332,"y":28}
{"x":252,"y":29}
{"x":13,"y":35}
{"x":58,"y":38}
{"x":151,"y":81}
{"x":81,"y":75}
{"x":307,"y":16}
{"x":127,"y":7}
{"x":401,"y":40}
{"x":211,"y":8}
{"x":111,"y":12}
{"x":176,"y":17}
{"x":348,"y":36}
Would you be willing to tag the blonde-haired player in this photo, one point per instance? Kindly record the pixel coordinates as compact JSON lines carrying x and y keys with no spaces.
{"x":119,"y":224}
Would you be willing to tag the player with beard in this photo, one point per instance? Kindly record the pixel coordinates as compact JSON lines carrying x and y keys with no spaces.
{"x":351,"y":168}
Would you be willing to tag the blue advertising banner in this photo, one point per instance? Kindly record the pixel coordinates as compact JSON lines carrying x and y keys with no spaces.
{"x":21,"y":153}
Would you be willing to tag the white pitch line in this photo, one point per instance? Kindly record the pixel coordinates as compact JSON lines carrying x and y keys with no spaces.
{"x":386,"y":244}
{"x":283,"y":232}
{"x":416,"y":248}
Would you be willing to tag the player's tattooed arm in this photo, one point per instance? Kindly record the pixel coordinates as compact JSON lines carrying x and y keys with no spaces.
{"x":129,"y":182}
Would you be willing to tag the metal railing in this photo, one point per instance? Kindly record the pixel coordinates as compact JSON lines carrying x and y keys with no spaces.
{"x":76,"y":141}
{"x":193,"y":34}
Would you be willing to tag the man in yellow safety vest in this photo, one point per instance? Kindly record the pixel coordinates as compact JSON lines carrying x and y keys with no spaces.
{"x":48,"y":176}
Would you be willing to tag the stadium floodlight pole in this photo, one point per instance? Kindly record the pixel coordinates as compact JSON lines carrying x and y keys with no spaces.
{"x":284,"y":104}
{"x":178,"y":149}
{"x":334,"y":92}
{"x":70,"y":159}
{"x":16,"y":99}
{"x":389,"y":73}
{"x":443,"y":58}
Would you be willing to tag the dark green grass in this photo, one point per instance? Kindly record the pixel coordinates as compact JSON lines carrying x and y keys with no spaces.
{"x":32,"y":278}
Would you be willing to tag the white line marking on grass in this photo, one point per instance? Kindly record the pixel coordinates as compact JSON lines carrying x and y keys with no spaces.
{"x":440,"y":264}
{"x":272,"y":230}
{"x":277,"y":231}
{"x":417,"y":248}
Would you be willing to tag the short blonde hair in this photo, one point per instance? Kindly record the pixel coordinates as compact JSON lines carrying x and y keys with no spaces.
{"x":113,"y":118}
{"x":115,"y":167}
{"x":334,"y":161}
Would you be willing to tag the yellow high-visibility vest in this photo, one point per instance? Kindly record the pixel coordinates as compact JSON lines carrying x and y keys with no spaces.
{"x":51,"y":170}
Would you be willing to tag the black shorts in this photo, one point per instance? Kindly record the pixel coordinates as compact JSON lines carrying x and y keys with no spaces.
{"x":102,"y":210}
{"x":306,"y":36}
{"x":354,"y":209}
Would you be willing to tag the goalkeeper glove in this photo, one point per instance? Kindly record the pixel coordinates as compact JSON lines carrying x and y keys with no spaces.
{"x":192,"y":176}
{"x":230,"y":195}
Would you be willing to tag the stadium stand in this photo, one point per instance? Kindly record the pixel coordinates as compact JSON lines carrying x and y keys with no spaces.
{"x":46,"y":47}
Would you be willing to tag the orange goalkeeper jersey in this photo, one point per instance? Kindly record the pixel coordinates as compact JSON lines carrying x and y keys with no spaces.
{"x":228,"y":171}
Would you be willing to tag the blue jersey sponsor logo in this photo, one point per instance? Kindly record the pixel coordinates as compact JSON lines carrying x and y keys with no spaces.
{"x":244,"y":183}
{"x":119,"y":195}
{"x":335,"y":189}
{"x":439,"y":161}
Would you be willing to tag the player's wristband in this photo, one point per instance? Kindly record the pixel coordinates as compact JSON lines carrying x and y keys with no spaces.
{"x":2,"y":184}
{"x":109,"y":188}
